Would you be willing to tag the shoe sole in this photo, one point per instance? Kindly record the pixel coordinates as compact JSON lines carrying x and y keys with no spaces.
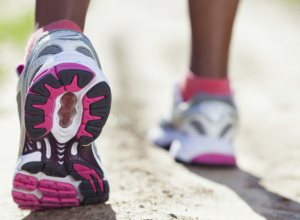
{"x":55,"y":81}
{"x":39,"y":183}
{"x":39,"y":191}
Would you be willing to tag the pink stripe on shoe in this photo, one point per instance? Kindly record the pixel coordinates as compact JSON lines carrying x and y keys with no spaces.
{"x":215,"y":159}
{"x":86,"y":101}
{"x":87,"y":173}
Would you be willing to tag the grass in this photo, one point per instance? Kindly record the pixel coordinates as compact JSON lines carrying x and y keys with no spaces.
{"x":17,"y":30}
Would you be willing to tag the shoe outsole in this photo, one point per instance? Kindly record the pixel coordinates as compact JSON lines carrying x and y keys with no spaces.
{"x":54,"y":81}
{"x":68,"y":180}
{"x":57,"y":194}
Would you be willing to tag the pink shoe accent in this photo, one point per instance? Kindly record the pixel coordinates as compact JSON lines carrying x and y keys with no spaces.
{"x":191,"y":84}
{"x":73,"y":87}
{"x":22,"y":181}
{"x":87,"y":117}
{"x":50,"y":70}
{"x":87,"y":173}
{"x":54,"y":92}
{"x":20,"y":68}
{"x":86,"y":101}
{"x":24,"y":199}
{"x":69,"y":193}
{"x":79,"y":167}
{"x":48,"y":192}
{"x":46,"y":107}
{"x":56,"y":185}
{"x":82,"y":132}
{"x":55,"y":194}
{"x":215,"y":159}
{"x":72,"y":66}
{"x":47,"y":124}
{"x":62,"y":24}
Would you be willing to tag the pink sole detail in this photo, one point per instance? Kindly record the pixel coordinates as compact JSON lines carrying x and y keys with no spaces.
{"x":86,"y":101}
{"x":215,"y":159}
{"x":50,"y":70}
{"x":46,"y":124}
{"x":70,"y":66}
{"x":83,"y":132}
{"x":47,"y":108}
{"x":87,"y":173}
{"x":86,"y":116}
{"x":22,"y":181}
{"x":55,"y":194}
{"x":55,"y":92}
{"x":73,"y":87}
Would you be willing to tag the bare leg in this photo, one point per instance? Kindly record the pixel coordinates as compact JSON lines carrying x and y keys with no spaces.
{"x":48,"y":11}
{"x":211,"y":23}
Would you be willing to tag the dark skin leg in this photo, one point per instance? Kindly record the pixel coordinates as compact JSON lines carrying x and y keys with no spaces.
{"x":48,"y":11}
{"x":211,"y":23}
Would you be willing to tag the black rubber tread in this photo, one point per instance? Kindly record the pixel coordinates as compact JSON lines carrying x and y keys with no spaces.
{"x":85,"y":186}
{"x":95,"y":131}
{"x":52,"y":170}
{"x":34,"y":100}
{"x":88,"y":192}
{"x":100,"y":108}
{"x":47,"y":168}
{"x":33,"y":167}
{"x":89,"y":201}
{"x":100,"y":89}
{"x":32,"y":120}
{"x":83,"y":77}
{"x":97,"y":123}
{"x":84,"y":140}
{"x":105,"y":102}
{"x":76,"y":176}
{"x":102,"y":112}
{"x":39,"y":86}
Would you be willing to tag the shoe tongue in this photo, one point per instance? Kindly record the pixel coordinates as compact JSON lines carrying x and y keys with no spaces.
{"x":20,"y":68}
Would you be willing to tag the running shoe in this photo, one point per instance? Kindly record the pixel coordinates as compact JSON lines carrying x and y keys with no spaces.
{"x":199,"y":130}
{"x":64,"y":101}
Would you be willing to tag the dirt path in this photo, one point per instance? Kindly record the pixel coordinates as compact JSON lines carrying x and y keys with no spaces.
{"x":142,"y":46}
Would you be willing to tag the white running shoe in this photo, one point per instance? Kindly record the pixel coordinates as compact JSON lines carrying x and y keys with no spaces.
{"x":199,"y":130}
{"x":63,"y":101}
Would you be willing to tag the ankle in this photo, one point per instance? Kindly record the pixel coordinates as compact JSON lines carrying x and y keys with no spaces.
{"x":191,"y":84}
